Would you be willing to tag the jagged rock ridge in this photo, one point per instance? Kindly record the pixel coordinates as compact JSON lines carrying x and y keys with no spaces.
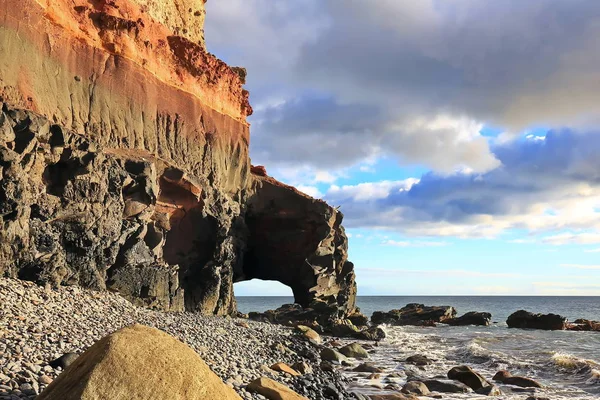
{"x":124,"y":164}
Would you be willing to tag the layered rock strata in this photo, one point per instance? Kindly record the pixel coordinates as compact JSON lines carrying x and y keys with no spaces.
{"x":124,"y":164}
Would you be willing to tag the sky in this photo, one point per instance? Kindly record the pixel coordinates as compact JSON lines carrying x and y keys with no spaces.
{"x":460,"y":139}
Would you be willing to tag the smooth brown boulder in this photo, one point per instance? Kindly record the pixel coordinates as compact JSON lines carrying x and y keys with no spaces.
{"x":469,"y":377}
{"x":415,"y":387}
{"x":273,"y":390}
{"x":521,"y":381}
{"x":138,"y":363}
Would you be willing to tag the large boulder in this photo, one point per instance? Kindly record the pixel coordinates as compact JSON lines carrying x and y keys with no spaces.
{"x":469,"y":377}
{"x":471,"y":318}
{"x":414,"y":314}
{"x":138,"y":363}
{"x":528,"y":320}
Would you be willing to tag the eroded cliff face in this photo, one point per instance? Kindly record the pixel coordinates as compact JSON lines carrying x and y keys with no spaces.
{"x":124,"y":164}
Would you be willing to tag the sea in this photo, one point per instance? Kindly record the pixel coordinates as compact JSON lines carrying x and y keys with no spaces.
{"x":566,"y":363}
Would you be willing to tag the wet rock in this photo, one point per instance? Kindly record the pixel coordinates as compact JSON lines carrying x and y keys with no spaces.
{"x":328,"y":354}
{"x":441,"y":386}
{"x":492,"y":390}
{"x":471,"y":318}
{"x":343,"y":328}
{"x":418,"y":360}
{"x":358,"y":319}
{"x":367,"y":367}
{"x":414,"y":314}
{"x":415,"y":387}
{"x":508,"y":379}
{"x":584,"y":325}
{"x":374,"y":333}
{"x":394,"y":396}
{"x":469,"y":377}
{"x":354,"y":350}
{"x":528,"y":320}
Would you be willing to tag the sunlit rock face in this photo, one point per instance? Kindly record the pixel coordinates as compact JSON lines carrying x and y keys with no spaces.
{"x":124,"y":164}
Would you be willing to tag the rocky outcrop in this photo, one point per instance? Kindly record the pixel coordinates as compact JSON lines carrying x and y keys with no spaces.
{"x":528,"y":320}
{"x":300,"y":242}
{"x":414,"y":314}
{"x":584,"y":325}
{"x":471,"y":318}
{"x":138,"y":362}
{"x":124,"y":165}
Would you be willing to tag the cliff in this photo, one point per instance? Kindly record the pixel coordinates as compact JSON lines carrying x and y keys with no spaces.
{"x":124,"y":164}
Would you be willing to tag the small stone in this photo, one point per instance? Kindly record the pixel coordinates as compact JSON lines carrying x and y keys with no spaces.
{"x":45,"y":379}
{"x":283,"y":367}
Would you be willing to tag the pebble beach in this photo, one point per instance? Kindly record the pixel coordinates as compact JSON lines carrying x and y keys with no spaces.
{"x":38,"y":325}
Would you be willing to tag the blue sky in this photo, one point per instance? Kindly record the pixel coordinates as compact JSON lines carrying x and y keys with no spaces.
{"x":461,"y":139}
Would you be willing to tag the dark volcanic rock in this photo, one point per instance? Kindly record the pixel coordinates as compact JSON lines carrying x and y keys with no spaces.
{"x":123,"y":220}
{"x":527,"y":320}
{"x":367,"y":367}
{"x":469,"y":377}
{"x":471,"y":318}
{"x":414,"y":314}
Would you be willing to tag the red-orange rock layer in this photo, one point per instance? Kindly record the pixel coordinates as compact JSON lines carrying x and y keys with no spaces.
{"x":107,"y":69}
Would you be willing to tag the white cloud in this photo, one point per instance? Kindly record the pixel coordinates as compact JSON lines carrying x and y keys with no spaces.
{"x":371,"y":190}
{"x":580,"y":266}
{"x":312,"y":191}
{"x":573,"y":238}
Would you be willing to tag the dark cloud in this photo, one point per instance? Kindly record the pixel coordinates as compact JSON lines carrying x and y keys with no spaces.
{"x":335,"y":82}
{"x":548,"y":184}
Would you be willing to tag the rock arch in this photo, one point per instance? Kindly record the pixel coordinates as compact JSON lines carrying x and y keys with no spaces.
{"x":300,"y":242}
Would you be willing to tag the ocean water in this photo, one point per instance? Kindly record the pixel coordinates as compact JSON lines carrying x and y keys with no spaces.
{"x":566,"y":363}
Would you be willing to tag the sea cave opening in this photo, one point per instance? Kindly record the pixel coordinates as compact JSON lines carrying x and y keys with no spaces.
{"x":261,"y":295}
